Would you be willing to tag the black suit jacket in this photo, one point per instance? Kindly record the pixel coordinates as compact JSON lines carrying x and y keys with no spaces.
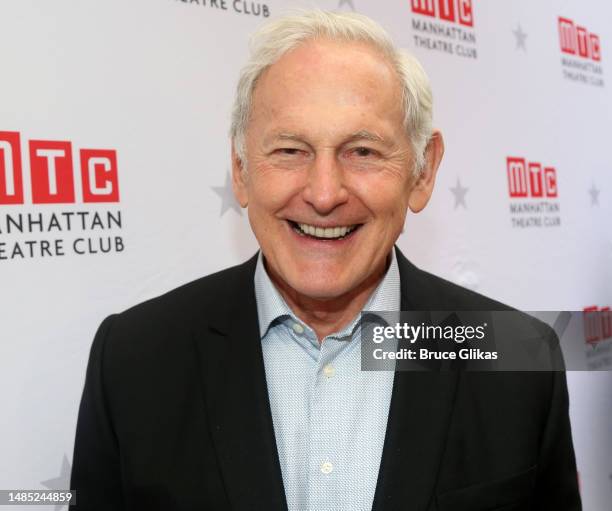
{"x":175,"y":415}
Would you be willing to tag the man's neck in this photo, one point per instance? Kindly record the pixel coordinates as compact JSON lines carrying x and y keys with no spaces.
{"x":326,"y":316}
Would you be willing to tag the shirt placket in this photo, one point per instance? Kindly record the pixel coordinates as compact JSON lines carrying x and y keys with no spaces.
{"x":325,"y":468}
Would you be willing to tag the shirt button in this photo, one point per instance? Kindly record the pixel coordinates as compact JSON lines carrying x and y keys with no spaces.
{"x":327,"y":467}
{"x":329,"y":371}
{"x":297,"y":328}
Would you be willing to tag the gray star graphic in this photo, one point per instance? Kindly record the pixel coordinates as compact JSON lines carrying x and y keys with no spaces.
{"x":594,"y":193}
{"x":459,"y":192}
{"x":560,"y":324}
{"x":228,"y":201}
{"x":520,"y":38}
{"x":61,"y":482}
{"x":347,"y":2}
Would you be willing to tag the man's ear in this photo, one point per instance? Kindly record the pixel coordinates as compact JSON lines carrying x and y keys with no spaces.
{"x":423,"y":187}
{"x":239,"y":179}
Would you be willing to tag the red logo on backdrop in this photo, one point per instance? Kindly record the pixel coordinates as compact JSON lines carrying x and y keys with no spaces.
{"x":597,"y":324}
{"x":11,"y":177}
{"x":455,"y":11}
{"x":530,"y":179}
{"x":578,"y":41}
{"x":52,"y":172}
{"x":99,"y":175}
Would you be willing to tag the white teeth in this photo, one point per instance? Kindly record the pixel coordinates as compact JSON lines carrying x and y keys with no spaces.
{"x":326,"y":232}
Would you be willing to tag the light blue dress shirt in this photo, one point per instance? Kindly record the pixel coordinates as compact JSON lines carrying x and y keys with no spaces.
{"x":330,"y":417}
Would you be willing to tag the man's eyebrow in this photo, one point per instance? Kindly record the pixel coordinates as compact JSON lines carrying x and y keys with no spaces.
{"x":274,"y":137}
{"x":358,"y":135}
{"x":289,"y":136}
{"x":366,"y":135}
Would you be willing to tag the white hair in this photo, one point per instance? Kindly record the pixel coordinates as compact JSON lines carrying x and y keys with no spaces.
{"x":277,"y":37}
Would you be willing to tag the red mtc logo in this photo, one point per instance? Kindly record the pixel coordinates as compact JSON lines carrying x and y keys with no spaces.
{"x":527,"y":179}
{"x":597,"y":324}
{"x":52,"y":173}
{"x":578,"y":41}
{"x":448,"y":10}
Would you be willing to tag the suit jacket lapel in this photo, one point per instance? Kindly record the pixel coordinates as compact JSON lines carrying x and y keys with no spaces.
{"x":240,"y":420}
{"x":236,"y":397}
{"x":419,"y":416}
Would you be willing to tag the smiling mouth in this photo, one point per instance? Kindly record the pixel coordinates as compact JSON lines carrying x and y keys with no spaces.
{"x":324,"y":233}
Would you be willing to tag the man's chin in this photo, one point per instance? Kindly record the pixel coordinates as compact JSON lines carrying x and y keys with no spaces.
{"x":327,"y":289}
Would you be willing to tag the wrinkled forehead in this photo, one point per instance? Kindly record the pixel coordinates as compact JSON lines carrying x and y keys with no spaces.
{"x":334,"y":81}
{"x":316,"y":59}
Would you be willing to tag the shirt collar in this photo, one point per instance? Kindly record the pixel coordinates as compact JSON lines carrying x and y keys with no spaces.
{"x":272,"y":306}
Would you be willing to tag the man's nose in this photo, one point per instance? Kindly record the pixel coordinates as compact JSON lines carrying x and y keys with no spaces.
{"x":325,"y":189}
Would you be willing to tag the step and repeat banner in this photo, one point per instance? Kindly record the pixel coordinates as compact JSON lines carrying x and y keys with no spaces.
{"x":114,"y":182}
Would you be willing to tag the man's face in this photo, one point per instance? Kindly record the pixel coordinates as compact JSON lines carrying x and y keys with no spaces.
{"x":329,"y":167}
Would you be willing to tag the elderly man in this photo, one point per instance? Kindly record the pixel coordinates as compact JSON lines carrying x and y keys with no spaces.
{"x":243,"y":390}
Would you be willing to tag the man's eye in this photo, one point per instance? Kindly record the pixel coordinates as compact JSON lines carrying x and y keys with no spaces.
{"x":289,"y":151}
{"x":363,"y":151}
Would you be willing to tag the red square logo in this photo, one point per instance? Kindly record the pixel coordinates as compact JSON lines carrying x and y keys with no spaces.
{"x":592,"y":332}
{"x":11,"y":177}
{"x":51,"y":172}
{"x":595,"y":48}
{"x":567,"y":36}
{"x":535,"y":180}
{"x":517,"y":177}
{"x":466,"y":15}
{"x":550,"y":182}
{"x":425,"y":7}
{"x":99,"y":175}
{"x":606,"y":323}
{"x":582,"y":37}
{"x":446,"y":10}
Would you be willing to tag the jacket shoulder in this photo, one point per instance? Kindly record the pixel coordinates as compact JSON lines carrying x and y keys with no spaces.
{"x":159,"y":333}
{"x":422,"y":290}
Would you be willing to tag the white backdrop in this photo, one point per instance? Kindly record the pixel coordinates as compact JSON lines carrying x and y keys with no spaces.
{"x":152,"y":81}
